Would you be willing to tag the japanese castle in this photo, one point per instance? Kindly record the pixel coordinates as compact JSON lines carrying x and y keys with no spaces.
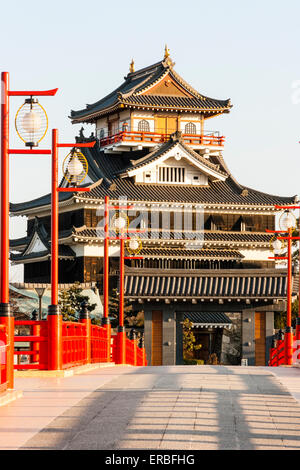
{"x":203,"y":241}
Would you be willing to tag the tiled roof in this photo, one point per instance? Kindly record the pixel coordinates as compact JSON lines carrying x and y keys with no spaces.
{"x":129,"y":92}
{"x":242,"y":284}
{"x":208,"y":318}
{"x":38,"y":228}
{"x":174,"y":102}
{"x":106,"y":171}
{"x":64,"y":252}
{"x":153,"y":235}
{"x":174,"y":140}
{"x":181,"y":253}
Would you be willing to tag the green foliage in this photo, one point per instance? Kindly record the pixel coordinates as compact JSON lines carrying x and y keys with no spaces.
{"x":70,"y":301}
{"x":114,"y":308}
{"x":280,"y":317}
{"x":189,"y":339}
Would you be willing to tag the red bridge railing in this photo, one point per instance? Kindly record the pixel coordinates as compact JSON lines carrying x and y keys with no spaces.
{"x":160,"y":137}
{"x":81,"y":343}
{"x":31,"y":348}
{"x":277,"y":351}
{"x":74,"y":344}
{"x":3,"y":359}
{"x":99,"y":340}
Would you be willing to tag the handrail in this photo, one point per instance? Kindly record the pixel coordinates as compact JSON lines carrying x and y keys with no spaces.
{"x":160,"y":137}
{"x":37,"y":354}
{"x":82,"y":343}
{"x":3,"y":359}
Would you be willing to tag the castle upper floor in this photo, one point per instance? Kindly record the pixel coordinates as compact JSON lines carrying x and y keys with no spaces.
{"x":150,"y":105}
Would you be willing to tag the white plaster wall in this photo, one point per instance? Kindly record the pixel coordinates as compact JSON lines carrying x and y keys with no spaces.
{"x":94,"y":250}
{"x":138,"y":116}
{"x":260,"y":254}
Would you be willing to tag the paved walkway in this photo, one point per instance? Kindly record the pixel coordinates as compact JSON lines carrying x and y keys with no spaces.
{"x":180,"y":407}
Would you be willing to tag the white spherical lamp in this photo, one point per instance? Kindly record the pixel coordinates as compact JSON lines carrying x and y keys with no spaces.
{"x":287,"y":221}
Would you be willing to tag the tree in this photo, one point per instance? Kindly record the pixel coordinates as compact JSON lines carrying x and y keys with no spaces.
{"x":189,"y":340}
{"x":280,"y":317}
{"x":70,"y":301}
{"x":131,"y":318}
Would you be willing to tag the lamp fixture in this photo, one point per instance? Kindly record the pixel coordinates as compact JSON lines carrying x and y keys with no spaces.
{"x":119,"y":222}
{"x":287,"y":220}
{"x":134,"y":245}
{"x":31,"y":122}
{"x":75,"y":167}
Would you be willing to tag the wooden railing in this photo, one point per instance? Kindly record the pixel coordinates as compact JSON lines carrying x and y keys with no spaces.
{"x":74,"y":344}
{"x":158,"y":138}
{"x":35,"y":356}
{"x":3,"y":359}
{"x":99,"y":344}
{"x":82,"y":343}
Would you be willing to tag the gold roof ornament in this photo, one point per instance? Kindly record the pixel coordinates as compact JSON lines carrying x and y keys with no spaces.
{"x":167,"y":59}
{"x":167,"y":52}
{"x":131,"y":67}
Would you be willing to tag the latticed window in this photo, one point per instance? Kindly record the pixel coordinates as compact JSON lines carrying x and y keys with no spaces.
{"x":190,"y":128}
{"x":171,"y":174}
{"x":143,"y":126}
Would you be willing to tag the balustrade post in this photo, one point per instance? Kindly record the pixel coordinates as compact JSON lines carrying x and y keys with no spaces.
{"x":35,"y":332}
{"x":84,"y":317}
{"x":54,"y":338}
{"x":133,"y":338}
{"x":142,"y":346}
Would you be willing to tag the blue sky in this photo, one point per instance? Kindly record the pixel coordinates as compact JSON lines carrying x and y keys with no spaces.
{"x":246,"y":51}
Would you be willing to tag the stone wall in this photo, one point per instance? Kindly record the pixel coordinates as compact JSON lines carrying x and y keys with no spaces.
{"x":231,"y":346}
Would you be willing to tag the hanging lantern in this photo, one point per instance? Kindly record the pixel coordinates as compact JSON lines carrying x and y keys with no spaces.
{"x":134,"y":245}
{"x":277,"y":246}
{"x":75,"y":167}
{"x":31,"y":122}
{"x":119,"y":222}
{"x":287,"y":220}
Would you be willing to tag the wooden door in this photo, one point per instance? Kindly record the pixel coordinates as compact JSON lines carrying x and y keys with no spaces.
{"x":161,"y":125}
{"x":171,"y":125}
{"x":260,"y":339}
{"x":156,"y":338}
{"x":166,"y":125}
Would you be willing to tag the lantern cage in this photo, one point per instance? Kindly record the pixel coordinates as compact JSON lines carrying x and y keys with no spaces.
{"x":31,"y":122}
{"x":75,"y":167}
{"x":134,"y":245}
{"x":277,"y":247}
{"x":119,"y":222}
{"x":287,"y":220}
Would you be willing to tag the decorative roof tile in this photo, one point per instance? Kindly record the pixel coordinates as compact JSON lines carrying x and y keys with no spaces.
{"x":235,"y":283}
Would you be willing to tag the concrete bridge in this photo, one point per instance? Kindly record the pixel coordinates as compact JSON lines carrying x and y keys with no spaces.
{"x":176,"y":407}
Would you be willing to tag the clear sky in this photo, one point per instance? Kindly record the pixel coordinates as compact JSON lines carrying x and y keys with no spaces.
{"x":246,"y":51}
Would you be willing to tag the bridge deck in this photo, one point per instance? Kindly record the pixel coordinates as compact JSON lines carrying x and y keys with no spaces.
{"x":180,"y":407}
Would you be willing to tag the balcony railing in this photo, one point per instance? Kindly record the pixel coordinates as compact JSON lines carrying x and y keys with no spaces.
{"x":142,"y":137}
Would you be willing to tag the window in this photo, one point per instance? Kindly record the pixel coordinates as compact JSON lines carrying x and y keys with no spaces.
{"x":171,"y":174}
{"x":190,"y":128}
{"x":143,"y":126}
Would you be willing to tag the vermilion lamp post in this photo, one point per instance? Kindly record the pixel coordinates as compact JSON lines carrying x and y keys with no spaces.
{"x":31,"y":122}
{"x":121,"y":359}
{"x":287,"y":227}
{"x":75,"y":171}
{"x":120,"y":226}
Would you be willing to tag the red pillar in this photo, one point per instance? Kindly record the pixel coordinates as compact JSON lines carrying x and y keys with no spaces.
{"x":54,"y":338}
{"x":288,"y":337}
{"x":298,"y":318}
{"x":105,"y":319}
{"x":6,"y":317}
{"x":85,"y":318}
{"x":54,"y":317}
{"x":54,"y":220}
{"x":121,"y":339}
